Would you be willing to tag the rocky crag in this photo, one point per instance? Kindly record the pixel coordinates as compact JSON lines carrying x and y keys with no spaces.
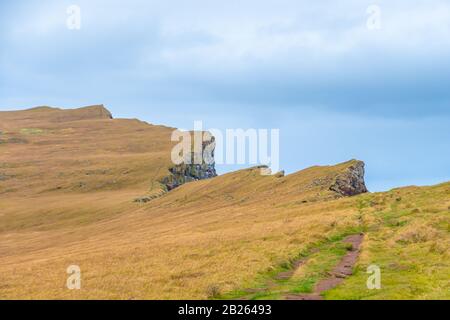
{"x":351,"y":181}
{"x":183,"y":173}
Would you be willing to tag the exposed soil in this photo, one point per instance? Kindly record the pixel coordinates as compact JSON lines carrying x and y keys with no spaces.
{"x":341,"y":271}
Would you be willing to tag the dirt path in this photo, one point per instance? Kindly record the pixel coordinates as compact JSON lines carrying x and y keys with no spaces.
{"x":285,"y":275}
{"x":297,"y":264}
{"x":341,"y":271}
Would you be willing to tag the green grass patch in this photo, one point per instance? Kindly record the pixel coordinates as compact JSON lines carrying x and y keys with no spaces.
{"x":31,"y":131}
{"x":411,"y":248}
{"x":320,"y":259}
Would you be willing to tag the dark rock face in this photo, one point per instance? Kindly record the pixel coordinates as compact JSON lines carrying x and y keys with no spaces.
{"x":351,"y":182}
{"x":183,"y":173}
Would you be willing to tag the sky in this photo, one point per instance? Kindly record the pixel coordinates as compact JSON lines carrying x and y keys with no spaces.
{"x":340,"y":79}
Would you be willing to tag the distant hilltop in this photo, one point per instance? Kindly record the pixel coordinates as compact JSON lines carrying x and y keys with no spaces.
{"x":52,"y":114}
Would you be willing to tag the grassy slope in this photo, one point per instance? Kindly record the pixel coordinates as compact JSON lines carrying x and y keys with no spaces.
{"x":408,"y":238}
{"x":406,"y":235}
{"x":68,"y":199}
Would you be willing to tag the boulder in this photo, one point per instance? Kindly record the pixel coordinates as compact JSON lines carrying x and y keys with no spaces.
{"x":351,"y":181}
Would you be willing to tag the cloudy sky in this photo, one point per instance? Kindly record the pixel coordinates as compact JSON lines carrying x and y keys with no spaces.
{"x":340,"y":79}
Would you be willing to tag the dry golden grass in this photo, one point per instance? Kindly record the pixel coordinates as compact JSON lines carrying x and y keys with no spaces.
{"x":67,"y":198}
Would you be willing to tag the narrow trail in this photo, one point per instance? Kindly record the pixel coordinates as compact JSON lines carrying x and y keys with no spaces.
{"x":341,"y":271}
{"x":280,"y":285}
{"x":286,"y":275}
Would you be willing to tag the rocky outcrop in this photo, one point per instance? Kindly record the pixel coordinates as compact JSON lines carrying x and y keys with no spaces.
{"x":183,"y":173}
{"x":351,"y":181}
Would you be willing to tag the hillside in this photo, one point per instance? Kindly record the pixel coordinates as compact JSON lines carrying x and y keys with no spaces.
{"x":69,"y":180}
